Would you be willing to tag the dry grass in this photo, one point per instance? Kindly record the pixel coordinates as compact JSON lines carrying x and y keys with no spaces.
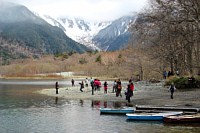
{"x":120,"y":64}
{"x":31,"y":76}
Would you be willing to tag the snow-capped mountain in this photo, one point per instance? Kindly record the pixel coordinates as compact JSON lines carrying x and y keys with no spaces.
{"x":116,"y":35}
{"x":78,"y":29}
{"x":110,"y":35}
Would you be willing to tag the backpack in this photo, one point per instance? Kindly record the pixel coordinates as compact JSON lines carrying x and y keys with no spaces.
{"x":172,"y":88}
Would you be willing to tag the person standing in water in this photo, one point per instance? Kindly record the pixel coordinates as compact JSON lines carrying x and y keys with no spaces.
{"x":57,"y":87}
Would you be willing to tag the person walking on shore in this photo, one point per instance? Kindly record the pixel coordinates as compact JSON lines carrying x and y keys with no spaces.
{"x":86,"y":82}
{"x":172,"y":88}
{"x":73,"y":82}
{"x":164,"y":74}
{"x":128,"y":93}
{"x":92,"y":85}
{"x":119,"y":88}
{"x":57,"y":87}
{"x":105,"y":87}
{"x":114,"y":87}
{"x":82,"y":86}
{"x":131,"y":85}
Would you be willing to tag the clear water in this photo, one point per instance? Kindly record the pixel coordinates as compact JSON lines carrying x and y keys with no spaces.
{"x":23,"y":111}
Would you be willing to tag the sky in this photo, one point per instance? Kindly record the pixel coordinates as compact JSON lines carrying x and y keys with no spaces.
{"x":94,"y":10}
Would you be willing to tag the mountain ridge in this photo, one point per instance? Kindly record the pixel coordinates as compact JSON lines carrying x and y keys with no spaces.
{"x":17,"y":22}
{"x":78,"y":29}
{"x":96,"y":35}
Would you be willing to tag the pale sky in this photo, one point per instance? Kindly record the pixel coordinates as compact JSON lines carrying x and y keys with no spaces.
{"x":88,"y":9}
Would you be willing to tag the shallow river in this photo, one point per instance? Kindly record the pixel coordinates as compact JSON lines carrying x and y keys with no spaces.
{"x":23,"y":111}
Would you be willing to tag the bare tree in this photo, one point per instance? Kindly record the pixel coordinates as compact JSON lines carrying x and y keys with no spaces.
{"x":171,"y":31}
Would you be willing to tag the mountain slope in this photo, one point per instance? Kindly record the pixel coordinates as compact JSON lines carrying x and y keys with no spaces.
{"x":111,"y":35}
{"x":115,"y":36}
{"x":78,"y":29}
{"x":17,"y":22}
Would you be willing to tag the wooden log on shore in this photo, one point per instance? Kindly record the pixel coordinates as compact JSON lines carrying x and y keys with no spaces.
{"x":166,"y":108}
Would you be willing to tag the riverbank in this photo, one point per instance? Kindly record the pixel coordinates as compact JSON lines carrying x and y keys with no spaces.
{"x":144,"y":94}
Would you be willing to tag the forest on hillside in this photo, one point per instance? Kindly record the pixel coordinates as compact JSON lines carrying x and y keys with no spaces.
{"x":170,"y":31}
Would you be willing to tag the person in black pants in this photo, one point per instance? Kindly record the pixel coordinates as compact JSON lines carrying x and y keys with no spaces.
{"x":128,"y":93}
{"x":82,"y":86}
{"x":57,"y":87}
{"x":172,"y":88}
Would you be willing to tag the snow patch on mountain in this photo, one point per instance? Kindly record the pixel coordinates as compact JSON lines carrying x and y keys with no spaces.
{"x":109,"y":35}
{"x":78,"y":29}
{"x":82,"y":31}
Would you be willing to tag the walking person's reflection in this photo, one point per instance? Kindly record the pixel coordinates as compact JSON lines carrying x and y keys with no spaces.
{"x":81,"y":101}
{"x":56,"y":100}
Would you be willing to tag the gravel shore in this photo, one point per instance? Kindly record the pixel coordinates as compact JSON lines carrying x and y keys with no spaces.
{"x":144,"y":94}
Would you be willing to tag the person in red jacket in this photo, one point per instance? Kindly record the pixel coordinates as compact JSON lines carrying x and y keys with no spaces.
{"x":129,"y":91}
{"x":95,"y":84}
{"x":131,"y":88}
{"x":105,"y":86}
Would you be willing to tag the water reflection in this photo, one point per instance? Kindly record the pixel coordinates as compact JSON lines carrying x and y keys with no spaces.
{"x":144,"y":122}
{"x":109,"y":104}
{"x":56,"y":100}
{"x":81,"y":102}
{"x":22,"y":110}
{"x":182,"y":124}
{"x":105,"y":104}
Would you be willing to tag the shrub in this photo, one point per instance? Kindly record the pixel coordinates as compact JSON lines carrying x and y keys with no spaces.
{"x":82,"y":61}
{"x":98,"y":59}
{"x":120,"y":56}
{"x":183,"y":82}
{"x":198,"y":81}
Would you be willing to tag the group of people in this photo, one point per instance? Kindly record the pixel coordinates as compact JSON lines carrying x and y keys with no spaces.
{"x":117,"y":87}
{"x":96,"y":85}
{"x":169,"y":73}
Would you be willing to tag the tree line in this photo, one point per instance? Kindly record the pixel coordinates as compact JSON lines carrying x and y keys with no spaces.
{"x":169,"y":30}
